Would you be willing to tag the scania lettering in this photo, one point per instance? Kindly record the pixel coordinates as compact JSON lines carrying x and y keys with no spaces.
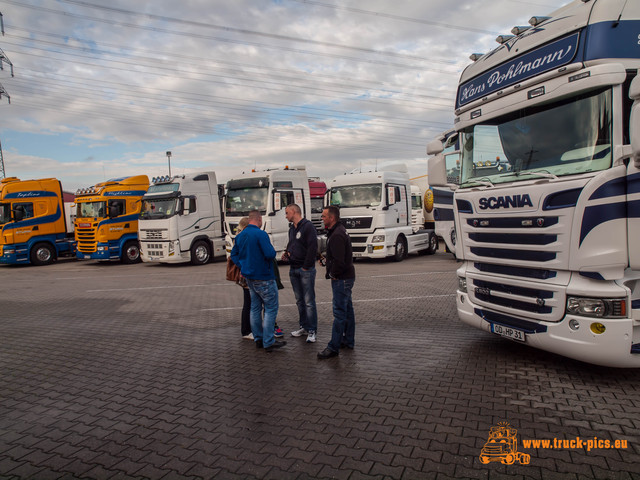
{"x":514,"y":201}
{"x":35,"y":222}
{"x":375,"y":208}
{"x":269,"y":192}
{"x":181,"y":219}
{"x":106,"y":225}
{"x":548,"y":208}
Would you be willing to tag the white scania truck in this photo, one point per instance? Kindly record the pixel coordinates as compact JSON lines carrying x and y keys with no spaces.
{"x":180,"y":220}
{"x":548,"y":208}
{"x":268,"y":191}
{"x":375,"y":208}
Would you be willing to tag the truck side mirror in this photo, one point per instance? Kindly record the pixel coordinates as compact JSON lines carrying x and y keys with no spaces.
{"x":114,"y":210}
{"x":634,"y":123}
{"x":437,"y":171}
{"x":434,"y":147}
{"x":18,"y":213}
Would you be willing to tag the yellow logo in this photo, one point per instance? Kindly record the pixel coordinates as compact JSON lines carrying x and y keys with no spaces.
{"x":502,"y":446}
{"x":428,"y":200}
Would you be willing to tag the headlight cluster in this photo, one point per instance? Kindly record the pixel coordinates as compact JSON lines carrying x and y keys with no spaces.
{"x":597,"y":307}
{"x":462,"y":284}
{"x":377,"y":239}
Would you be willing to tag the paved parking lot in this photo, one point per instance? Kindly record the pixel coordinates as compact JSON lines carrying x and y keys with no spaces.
{"x":117,"y":371}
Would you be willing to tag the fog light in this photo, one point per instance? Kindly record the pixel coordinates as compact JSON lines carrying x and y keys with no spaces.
{"x":574,"y":324}
{"x":598,"y":328}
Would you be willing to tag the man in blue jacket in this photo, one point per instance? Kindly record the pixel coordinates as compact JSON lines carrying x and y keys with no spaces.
{"x":254,"y":254}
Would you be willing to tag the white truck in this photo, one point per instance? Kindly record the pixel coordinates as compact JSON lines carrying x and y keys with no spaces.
{"x":269,"y":192}
{"x":548,"y":208}
{"x":181,"y":221}
{"x":375,"y":208}
{"x":443,"y":197}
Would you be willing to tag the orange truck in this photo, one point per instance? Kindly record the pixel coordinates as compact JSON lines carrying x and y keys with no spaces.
{"x":35,"y":222}
{"x":107,"y":219}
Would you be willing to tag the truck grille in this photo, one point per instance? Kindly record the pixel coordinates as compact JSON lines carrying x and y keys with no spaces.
{"x":86,"y":239}
{"x":155,"y":234}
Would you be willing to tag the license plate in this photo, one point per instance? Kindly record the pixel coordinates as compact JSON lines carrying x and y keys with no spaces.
{"x":87,"y":257}
{"x":355,"y":255}
{"x":512,"y":333}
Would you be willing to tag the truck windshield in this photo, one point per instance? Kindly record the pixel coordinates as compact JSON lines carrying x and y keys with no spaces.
{"x":369,"y":195}
{"x":91,"y":209}
{"x":565,"y":138}
{"x":241,"y":201}
{"x":316,"y":205}
{"x":158,"y":208}
{"x":5,"y":213}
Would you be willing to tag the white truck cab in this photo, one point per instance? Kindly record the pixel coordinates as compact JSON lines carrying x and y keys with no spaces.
{"x":375,"y":208}
{"x":268,"y":191}
{"x":181,"y":220}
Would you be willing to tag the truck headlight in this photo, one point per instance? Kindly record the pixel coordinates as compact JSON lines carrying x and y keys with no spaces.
{"x":377,"y":239}
{"x":102,"y":248}
{"x":462,"y":284}
{"x":597,"y":307}
{"x":171,"y":247}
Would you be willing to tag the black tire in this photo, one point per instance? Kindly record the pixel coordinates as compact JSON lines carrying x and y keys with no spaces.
{"x":200,"y":253}
{"x":401,"y":249}
{"x":130,"y":252}
{"x":433,"y":244}
{"x":42,"y":254}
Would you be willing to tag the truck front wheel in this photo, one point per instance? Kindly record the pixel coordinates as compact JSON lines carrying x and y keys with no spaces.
{"x":433,"y":244}
{"x":200,"y":253}
{"x":401,"y":249}
{"x":42,"y":254}
{"x":130,"y":252}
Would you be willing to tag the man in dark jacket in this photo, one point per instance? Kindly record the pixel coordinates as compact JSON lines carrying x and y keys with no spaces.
{"x":343,"y":275}
{"x":301,"y":254}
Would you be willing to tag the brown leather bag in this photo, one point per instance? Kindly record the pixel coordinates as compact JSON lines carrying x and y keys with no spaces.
{"x":233,"y":273}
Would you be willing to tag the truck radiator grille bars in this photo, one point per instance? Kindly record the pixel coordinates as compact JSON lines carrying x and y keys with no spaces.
{"x":522,"y":256}
{"x":86,"y":239}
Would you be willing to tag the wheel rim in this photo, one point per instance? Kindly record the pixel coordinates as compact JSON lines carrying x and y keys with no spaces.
{"x":133,"y":253}
{"x":400,"y":249}
{"x":43,"y":254}
{"x":202,"y":253}
{"x":434,"y":245}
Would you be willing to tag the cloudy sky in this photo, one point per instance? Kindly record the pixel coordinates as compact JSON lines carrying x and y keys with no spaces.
{"x":105,"y":89}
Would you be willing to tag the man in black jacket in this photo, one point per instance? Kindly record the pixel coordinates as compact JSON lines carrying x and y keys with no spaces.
{"x":301,"y":254}
{"x":343,"y":275}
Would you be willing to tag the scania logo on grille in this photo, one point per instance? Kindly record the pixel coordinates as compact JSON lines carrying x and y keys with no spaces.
{"x":513,"y":201}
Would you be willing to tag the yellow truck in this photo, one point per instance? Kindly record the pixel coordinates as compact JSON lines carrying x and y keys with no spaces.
{"x":106,"y":224}
{"x":35,"y":223}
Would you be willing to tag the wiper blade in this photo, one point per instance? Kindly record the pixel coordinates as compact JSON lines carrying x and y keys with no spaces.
{"x":541,"y":173}
{"x":486,"y":183}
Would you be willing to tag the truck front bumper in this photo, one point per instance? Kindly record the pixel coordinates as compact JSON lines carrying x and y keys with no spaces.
{"x":571,"y":337}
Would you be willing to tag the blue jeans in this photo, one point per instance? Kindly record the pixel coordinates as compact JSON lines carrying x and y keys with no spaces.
{"x":303,"y":284}
{"x":344,"y":320}
{"x":264,"y":293}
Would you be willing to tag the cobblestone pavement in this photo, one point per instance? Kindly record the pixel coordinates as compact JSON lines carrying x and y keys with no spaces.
{"x":117,"y":371}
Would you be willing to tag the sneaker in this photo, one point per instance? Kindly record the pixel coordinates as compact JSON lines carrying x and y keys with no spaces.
{"x":278,"y":333}
{"x":327,"y":353}
{"x":311,"y":338}
{"x":299,"y":333}
{"x":248,"y":337}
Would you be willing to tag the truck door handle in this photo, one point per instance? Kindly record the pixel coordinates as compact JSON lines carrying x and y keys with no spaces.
{"x":126,"y":225}
{"x":35,"y":228}
{"x":196,"y":227}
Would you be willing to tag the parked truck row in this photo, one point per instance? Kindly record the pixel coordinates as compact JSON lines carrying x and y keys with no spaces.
{"x":193,"y":218}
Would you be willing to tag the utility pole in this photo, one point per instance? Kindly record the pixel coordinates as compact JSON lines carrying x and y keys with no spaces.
{"x":2,"y":175}
{"x":3,"y":60}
